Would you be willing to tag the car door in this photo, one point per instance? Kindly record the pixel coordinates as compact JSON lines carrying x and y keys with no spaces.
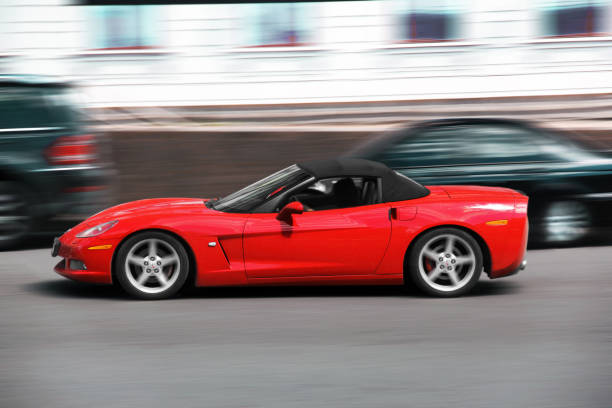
{"x":325,"y":243}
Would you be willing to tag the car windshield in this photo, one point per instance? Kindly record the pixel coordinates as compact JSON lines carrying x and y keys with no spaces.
{"x":252,"y":196}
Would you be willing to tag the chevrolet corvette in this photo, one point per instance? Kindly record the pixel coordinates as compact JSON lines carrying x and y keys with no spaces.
{"x":343,"y":221}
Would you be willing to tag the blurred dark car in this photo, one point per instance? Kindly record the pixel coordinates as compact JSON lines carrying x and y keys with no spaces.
{"x":570,"y":187}
{"x":50,"y":172}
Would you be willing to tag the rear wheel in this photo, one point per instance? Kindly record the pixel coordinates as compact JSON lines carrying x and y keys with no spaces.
{"x":152,"y":265}
{"x":445,"y":262}
{"x":15,"y":214}
{"x":566,"y":222}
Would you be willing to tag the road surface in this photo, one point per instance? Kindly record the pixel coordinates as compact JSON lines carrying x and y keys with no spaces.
{"x":540,"y":339}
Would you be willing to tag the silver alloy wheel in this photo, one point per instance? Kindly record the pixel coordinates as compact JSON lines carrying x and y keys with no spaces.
{"x":152,"y":265}
{"x":447,"y":262}
{"x":566,"y":221}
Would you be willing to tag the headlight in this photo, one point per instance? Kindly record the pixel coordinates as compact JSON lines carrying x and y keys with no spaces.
{"x":97,"y":230}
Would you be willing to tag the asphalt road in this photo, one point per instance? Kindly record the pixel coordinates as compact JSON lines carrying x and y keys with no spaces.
{"x":540,"y":339}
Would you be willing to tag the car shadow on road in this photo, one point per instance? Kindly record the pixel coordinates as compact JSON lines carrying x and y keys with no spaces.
{"x":484,"y":288}
{"x":71,"y":289}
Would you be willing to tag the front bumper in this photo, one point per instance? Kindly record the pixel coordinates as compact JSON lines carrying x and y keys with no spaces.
{"x":85,"y":259}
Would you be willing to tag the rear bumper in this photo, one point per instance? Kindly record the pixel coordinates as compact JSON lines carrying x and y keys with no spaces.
{"x":521,"y":267}
{"x":74,"y":193}
{"x":511,"y":256}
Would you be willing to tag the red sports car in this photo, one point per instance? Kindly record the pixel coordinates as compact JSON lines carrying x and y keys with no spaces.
{"x":344,"y":221}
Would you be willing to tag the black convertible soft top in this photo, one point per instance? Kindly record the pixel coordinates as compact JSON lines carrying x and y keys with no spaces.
{"x":395,"y":187}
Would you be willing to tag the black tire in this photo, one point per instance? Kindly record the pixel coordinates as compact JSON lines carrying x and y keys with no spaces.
{"x":566,"y":222}
{"x":16,"y":220}
{"x":416,"y":267}
{"x":125,"y":272}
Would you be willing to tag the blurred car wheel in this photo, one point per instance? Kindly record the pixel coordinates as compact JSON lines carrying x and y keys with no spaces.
{"x":16,"y":219}
{"x":445,"y":262}
{"x":152,"y":265}
{"x":566,"y":222}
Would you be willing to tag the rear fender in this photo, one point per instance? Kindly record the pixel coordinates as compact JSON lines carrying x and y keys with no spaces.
{"x":494,"y":222}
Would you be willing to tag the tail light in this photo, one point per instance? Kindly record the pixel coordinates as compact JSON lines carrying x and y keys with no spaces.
{"x":66,"y":150}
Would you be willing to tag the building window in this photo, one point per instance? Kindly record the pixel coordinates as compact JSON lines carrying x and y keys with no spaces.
{"x":574,"y":18}
{"x":428,"y":20}
{"x":278,"y":24}
{"x":122,"y":27}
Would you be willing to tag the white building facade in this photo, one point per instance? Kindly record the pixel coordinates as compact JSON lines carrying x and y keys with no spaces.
{"x":384,"y":50}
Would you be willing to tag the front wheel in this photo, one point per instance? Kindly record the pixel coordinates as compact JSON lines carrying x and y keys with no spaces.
{"x":152,"y":265}
{"x":445,"y":262}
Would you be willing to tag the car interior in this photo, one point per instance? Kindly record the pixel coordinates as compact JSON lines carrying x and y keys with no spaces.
{"x":338,"y":192}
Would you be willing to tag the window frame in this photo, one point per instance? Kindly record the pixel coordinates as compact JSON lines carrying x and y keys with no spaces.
{"x":405,"y":10}
{"x":148,"y":38}
{"x":253,"y":18}
{"x":601,"y":12}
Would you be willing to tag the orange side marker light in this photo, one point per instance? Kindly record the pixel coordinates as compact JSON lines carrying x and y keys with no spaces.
{"x":498,"y":222}
{"x":101,"y":247}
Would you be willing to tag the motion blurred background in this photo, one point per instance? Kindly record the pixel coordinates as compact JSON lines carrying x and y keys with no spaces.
{"x":101,"y":104}
{"x":200,"y":99}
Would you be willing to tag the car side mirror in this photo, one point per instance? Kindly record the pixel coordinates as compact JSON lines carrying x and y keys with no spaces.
{"x":286,"y":214}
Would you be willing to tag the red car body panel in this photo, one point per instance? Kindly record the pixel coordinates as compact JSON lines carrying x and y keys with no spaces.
{"x":358,"y":245}
{"x":319,"y":243}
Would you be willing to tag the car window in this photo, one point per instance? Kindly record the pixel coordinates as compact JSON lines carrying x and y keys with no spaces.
{"x":338,"y":192}
{"x":34,"y":107}
{"x":256,"y":194}
{"x":502,"y":143}
{"x":560,"y":147}
{"x":465,"y":144}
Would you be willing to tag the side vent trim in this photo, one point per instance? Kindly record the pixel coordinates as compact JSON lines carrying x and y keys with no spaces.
{"x":223,"y":251}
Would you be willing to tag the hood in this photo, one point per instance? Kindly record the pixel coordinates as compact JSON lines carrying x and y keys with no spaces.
{"x":157,"y":212}
{"x":151,"y":206}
